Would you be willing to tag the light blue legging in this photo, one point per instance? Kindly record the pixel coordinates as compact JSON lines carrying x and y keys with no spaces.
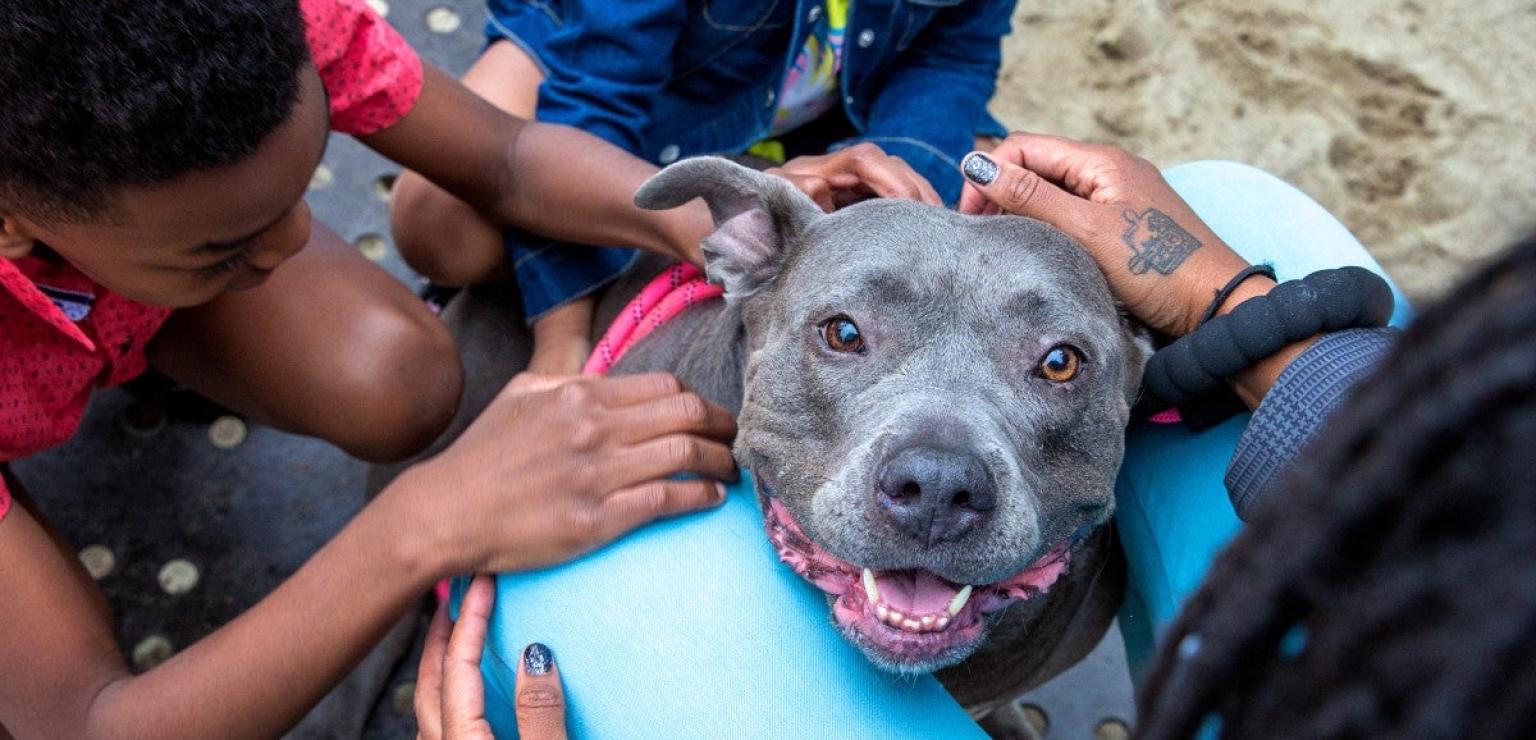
{"x":692,"y":629}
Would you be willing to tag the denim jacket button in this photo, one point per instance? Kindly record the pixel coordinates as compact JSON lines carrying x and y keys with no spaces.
{"x":866,"y":38}
{"x":814,"y":15}
{"x":668,"y":154}
{"x":768,"y":99}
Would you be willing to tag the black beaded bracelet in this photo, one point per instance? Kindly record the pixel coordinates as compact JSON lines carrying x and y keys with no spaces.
{"x":1329,"y":300}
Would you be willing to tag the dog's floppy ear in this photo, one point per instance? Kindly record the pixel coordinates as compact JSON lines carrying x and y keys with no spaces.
{"x":1139,"y":347}
{"x":756,"y":217}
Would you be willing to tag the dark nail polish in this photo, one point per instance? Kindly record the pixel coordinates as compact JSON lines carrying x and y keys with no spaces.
{"x":537,"y":660}
{"x":979,"y":168}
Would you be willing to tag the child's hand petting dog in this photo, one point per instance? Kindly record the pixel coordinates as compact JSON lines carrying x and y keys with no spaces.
{"x":853,"y":174}
{"x":556,"y":467}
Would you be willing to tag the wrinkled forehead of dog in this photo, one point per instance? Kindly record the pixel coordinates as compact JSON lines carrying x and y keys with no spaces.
{"x":923,"y":261}
{"x":776,"y":246}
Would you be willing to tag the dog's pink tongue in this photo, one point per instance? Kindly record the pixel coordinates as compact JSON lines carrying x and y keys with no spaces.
{"x":915,"y":591}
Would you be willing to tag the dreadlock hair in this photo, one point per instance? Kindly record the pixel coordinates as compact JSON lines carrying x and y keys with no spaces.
{"x":1401,"y":552}
{"x":99,"y":95}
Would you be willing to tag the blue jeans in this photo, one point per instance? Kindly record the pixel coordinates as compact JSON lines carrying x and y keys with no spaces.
{"x":692,"y":629}
{"x":666,"y":79}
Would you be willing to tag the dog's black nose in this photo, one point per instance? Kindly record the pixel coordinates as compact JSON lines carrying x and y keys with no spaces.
{"x":934,"y":494}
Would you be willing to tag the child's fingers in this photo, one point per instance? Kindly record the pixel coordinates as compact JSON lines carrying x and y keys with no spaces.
{"x":585,"y":392}
{"x":816,"y":187}
{"x":891,"y":177}
{"x":463,"y":705}
{"x":625,"y":390}
{"x":929,"y":194}
{"x":540,"y":699}
{"x":666,"y":456}
{"x":684,"y":413}
{"x":633,"y":507}
{"x":429,"y":676}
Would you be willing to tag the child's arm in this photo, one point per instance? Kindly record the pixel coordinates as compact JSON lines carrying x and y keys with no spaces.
{"x":541,"y":476}
{"x":553,"y":180}
{"x":951,"y":66}
{"x":570,"y":185}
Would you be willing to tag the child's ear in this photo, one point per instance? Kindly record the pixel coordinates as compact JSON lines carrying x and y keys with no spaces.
{"x":15,"y":239}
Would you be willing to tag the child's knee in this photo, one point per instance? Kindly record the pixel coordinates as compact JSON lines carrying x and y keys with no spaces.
{"x":400,"y":389}
{"x":440,"y":237}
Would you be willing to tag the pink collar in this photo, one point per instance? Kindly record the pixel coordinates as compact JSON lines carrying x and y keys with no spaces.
{"x":663,"y":299}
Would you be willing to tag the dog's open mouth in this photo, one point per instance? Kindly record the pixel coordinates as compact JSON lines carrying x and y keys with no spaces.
{"x":911,"y":619}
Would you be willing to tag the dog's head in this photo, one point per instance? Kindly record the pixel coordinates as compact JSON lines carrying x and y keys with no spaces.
{"x":934,"y":404}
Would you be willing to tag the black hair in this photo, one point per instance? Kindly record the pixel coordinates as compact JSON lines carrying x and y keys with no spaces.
{"x":104,"y":94}
{"x":1387,"y":587}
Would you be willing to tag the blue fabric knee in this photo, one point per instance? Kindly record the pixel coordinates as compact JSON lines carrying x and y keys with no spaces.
{"x":691,"y":628}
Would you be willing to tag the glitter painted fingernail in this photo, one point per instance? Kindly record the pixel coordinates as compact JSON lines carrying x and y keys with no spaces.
{"x":537,"y":660}
{"x":979,"y":168}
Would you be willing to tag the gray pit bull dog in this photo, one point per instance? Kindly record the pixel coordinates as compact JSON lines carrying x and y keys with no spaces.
{"x":935,"y":400}
{"x":933,"y":407}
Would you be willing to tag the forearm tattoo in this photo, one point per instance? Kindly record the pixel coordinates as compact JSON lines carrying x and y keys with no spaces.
{"x":1156,"y":242}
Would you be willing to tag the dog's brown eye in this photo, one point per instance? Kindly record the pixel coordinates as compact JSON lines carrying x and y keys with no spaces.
{"x":843,"y":335}
{"x":1061,"y":364}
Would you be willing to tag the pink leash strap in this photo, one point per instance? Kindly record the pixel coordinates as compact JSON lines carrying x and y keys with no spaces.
{"x":667,"y":295}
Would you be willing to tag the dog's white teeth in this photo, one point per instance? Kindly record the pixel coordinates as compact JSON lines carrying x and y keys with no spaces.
{"x":912,"y":623}
{"x":958,"y":603}
{"x":871,"y":589}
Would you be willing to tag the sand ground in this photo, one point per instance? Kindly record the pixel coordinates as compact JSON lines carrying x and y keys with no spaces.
{"x":1412,"y":120}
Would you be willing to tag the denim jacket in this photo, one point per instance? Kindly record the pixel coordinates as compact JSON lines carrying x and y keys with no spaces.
{"x":668,"y":79}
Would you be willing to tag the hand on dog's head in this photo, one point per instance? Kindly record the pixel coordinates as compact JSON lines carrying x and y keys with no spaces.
{"x":938,"y":398}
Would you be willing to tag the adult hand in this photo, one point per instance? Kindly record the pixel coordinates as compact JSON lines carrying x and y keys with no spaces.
{"x":856,"y":173}
{"x":450,"y":692}
{"x":554,"y":468}
{"x":1161,"y":260}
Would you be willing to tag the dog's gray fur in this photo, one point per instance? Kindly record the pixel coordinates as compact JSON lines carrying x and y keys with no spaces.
{"x":957,"y":312}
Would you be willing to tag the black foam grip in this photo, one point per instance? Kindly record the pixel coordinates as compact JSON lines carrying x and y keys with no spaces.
{"x":1327,"y":300}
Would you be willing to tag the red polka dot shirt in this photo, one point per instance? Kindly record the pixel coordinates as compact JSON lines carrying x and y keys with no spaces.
{"x":62,"y":336}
